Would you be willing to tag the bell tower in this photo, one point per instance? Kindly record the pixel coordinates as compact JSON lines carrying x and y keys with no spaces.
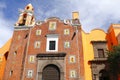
{"x":19,"y":46}
{"x":26,"y":17}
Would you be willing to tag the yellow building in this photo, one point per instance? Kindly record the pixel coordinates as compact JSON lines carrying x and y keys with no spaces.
{"x":95,"y":45}
{"x":3,"y":57}
{"x":96,"y":35}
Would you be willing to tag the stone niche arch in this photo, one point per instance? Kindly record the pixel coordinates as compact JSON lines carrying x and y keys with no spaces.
{"x":53,"y":62}
{"x":45,"y":60}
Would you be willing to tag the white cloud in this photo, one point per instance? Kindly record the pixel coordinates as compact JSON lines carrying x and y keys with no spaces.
{"x":5,"y":26}
{"x":92,"y":13}
{"x":100,"y":14}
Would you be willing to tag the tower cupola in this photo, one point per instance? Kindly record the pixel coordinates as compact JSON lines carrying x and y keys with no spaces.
{"x":26,"y":16}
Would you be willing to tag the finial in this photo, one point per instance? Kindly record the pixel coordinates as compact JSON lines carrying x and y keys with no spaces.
{"x":29,"y":7}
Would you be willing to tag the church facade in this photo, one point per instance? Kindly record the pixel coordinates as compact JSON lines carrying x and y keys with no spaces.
{"x":49,"y":50}
{"x":57,"y":49}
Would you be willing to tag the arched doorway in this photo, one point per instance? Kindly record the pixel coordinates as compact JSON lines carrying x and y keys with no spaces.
{"x":51,"y":72}
{"x":103,"y":75}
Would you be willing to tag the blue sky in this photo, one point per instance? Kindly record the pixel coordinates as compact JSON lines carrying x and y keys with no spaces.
{"x":93,"y":13}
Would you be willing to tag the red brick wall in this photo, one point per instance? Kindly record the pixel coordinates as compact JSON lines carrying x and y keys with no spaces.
{"x":15,"y":62}
{"x":73,"y":50}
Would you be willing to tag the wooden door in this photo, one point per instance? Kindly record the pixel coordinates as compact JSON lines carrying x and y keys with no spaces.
{"x":51,"y":72}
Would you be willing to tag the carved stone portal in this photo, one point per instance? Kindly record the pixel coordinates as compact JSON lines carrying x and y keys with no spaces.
{"x":53,"y":61}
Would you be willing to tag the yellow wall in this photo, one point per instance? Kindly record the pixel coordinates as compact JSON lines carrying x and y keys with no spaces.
{"x":3,"y":51}
{"x":5,"y":47}
{"x":94,"y":35}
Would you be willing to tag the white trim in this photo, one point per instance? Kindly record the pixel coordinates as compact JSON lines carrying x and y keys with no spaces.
{"x":30,"y":14}
{"x":48,"y":42}
{"x":66,"y":21}
{"x":21,"y":14}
